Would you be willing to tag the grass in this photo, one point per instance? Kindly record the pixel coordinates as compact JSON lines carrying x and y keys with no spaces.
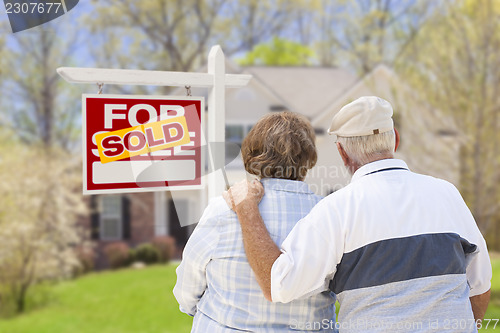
{"x":135,"y":301}
{"x":494,"y":307}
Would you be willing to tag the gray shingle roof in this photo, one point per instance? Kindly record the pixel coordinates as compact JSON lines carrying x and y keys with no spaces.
{"x":308,"y":90}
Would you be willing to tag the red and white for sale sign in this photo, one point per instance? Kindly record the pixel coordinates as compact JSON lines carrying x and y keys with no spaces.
{"x":141,"y":143}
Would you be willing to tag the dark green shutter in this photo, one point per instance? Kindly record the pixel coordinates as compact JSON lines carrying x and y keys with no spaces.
{"x":94,"y":218}
{"x":126,"y":217}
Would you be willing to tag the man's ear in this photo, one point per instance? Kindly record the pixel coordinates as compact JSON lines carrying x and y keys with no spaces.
{"x":397,"y":138}
{"x":343,"y":154}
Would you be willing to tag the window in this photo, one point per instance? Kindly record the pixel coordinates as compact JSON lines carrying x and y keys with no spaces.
{"x":235,"y":133}
{"x":111,"y":217}
{"x":278,"y":108}
{"x":234,"y":137}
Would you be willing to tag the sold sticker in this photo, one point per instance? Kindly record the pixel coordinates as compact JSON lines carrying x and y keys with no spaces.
{"x":142,"y":139}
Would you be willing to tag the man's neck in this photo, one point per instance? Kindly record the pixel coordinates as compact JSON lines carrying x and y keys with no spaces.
{"x":354,"y":167}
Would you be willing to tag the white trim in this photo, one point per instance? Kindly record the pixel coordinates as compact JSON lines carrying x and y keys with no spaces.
{"x":160,"y":208}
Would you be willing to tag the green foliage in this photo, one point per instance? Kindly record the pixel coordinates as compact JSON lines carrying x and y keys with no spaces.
{"x":176,"y":35}
{"x":39,"y":296}
{"x":279,"y":52}
{"x":361,"y":34}
{"x":454,"y":66}
{"x":145,"y":253}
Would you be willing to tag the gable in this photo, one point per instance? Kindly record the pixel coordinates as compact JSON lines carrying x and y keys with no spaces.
{"x":307,"y":90}
{"x":383,"y":82}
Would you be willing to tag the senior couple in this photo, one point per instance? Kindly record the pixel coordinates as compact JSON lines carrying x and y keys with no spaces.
{"x":400,"y":251}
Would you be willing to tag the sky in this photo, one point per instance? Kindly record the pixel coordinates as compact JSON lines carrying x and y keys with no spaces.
{"x":67,"y":20}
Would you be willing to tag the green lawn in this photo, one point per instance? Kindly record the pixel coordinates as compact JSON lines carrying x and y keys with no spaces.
{"x":494,"y":307}
{"x":135,"y":301}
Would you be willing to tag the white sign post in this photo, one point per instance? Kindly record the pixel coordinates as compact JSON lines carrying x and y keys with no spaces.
{"x":216,"y":80}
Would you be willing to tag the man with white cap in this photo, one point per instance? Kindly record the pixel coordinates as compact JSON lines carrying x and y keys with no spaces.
{"x":401,"y":250}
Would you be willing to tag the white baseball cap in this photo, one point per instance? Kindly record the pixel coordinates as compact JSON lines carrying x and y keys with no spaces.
{"x":365,"y":116}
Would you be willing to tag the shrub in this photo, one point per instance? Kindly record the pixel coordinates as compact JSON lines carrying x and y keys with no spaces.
{"x":86,"y":256}
{"x":39,"y":211}
{"x":38,"y":296}
{"x":146,"y":253}
{"x":165,"y":246}
{"x":7,"y":302}
{"x":117,"y":254}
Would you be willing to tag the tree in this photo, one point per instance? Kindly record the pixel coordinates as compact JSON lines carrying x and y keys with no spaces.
{"x":3,"y":28}
{"x":44,"y":110}
{"x":38,"y":213}
{"x":454,"y":64}
{"x":246,"y":23}
{"x":278,"y":52}
{"x":362,"y":34}
{"x":41,"y":200}
{"x":152,"y":34}
{"x":176,"y":35}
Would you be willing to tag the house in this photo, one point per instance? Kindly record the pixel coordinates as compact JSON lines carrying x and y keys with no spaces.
{"x":428,"y":144}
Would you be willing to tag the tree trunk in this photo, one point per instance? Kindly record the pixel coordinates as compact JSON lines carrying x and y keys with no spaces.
{"x":21,"y":299}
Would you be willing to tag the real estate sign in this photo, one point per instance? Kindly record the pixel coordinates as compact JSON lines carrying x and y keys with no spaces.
{"x":141,"y":143}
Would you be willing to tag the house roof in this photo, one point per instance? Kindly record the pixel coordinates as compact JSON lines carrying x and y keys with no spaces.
{"x":340,"y":99}
{"x":319,"y":92}
{"x":435,"y":119}
{"x":307,"y":90}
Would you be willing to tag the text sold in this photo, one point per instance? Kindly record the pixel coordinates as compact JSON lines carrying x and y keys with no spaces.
{"x":142,"y":139}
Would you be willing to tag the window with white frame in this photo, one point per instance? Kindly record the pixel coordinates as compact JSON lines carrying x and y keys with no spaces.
{"x":235,"y":133}
{"x":111,"y":217}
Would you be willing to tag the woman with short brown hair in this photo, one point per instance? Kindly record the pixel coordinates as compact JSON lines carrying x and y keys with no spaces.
{"x":280,"y":145}
{"x":215,"y":283}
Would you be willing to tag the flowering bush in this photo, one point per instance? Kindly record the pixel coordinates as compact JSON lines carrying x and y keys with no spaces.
{"x":118,"y":254}
{"x":86,"y":257}
{"x":165,"y":246}
{"x":39,"y":205}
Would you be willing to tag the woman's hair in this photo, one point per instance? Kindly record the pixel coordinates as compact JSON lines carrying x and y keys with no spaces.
{"x":280,"y":145}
